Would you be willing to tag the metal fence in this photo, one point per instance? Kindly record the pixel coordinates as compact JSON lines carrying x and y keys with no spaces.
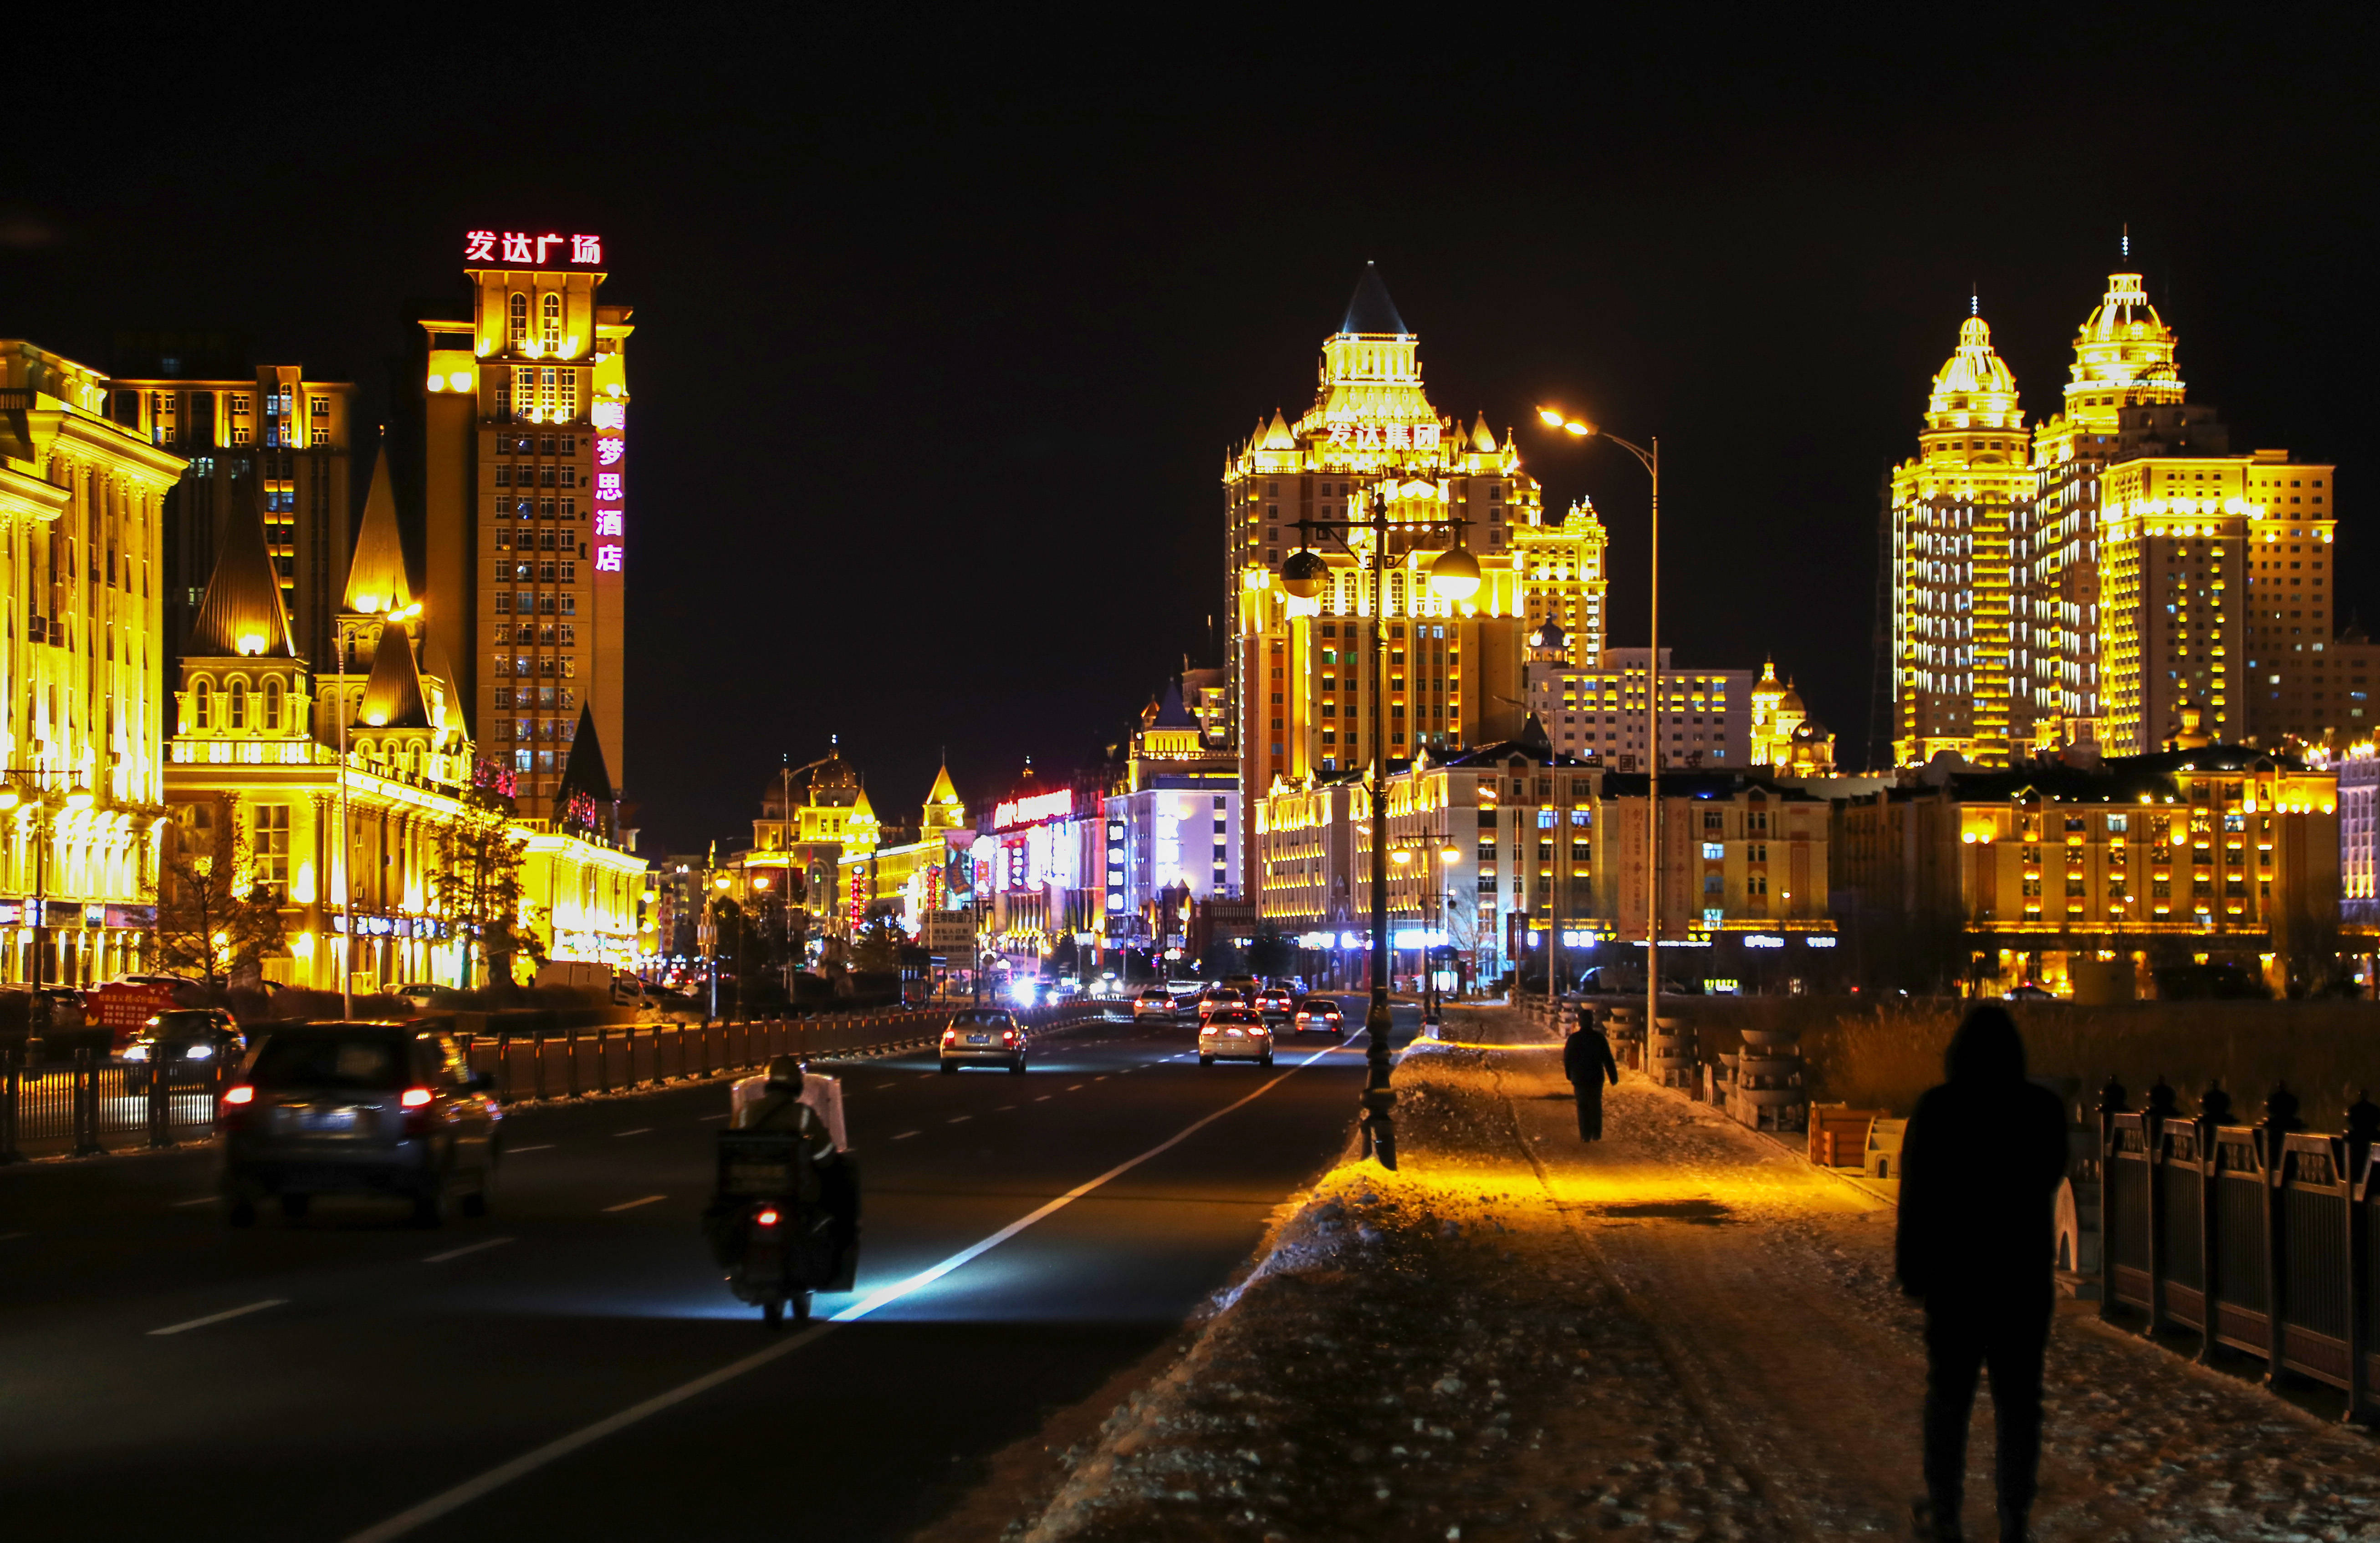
{"x":92,"y":1104}
{"x":2257,"y":1236}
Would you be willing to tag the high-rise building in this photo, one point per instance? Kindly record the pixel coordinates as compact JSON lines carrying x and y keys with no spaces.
{"x":1562,"y":566}
{"x":1598,"y":714}
{"x":81,"y":507}
{"x":269,"y":437}
{"x":524,"y":492}
{"x":1300,"y":671}
{"x":1952,"y":507}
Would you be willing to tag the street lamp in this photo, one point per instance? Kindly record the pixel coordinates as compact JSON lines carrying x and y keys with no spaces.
{"x":1650,"y":459}
{"x":1453,"y":576}
{"x":1432,"y":895}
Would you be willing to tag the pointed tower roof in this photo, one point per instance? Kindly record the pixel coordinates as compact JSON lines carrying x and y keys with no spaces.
{"x":393,"y":695}
{"x":241,"y":613}
{"x":944,"y":791}
{"x":1276,"y":435}
{"x":1533,"y":735}
{"x":1170,"y":713}
{"x":585,"y":772}
{"x":1369,"y":310}
{"x":376,"y":582}
{"x":435,"y":662}
{"x":1482,"y":437}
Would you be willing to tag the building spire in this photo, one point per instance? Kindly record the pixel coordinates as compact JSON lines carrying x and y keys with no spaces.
{"x":241,"y":615}
{"x":393,"y":695}
{"x":376,"y":582}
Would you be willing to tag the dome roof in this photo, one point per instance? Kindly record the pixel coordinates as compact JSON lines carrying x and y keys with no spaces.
{"x":1975,"y":386}
{"x":1551,"y":635}
{"x":1792,"y":701}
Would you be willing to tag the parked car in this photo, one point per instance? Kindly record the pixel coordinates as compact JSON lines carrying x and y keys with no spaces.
{"x":1234,"y":1033}
{"x":1155,"y":1003}
{"x":2031,"y":991}
{"x":1320,"y":1015}
{"x":422,"y":994}
{"x":371,"y":1108}
{"x":186,"y":1045}
{"x":980,"y":1036}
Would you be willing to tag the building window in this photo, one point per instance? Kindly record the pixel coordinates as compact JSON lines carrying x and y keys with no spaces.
{"x":519,"y":320}
{"x":272,"y":704}
{"x":237,"y":717}
{"x":270,"y":851}
{"x":201,"y":705}
{"x":553,"y":321}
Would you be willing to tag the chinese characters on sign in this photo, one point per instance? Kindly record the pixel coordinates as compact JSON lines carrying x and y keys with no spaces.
{"x":1391,"y":436}
{"x":1011,"y":812}
{"x":611,"y":421}
{"x":530,"y":252}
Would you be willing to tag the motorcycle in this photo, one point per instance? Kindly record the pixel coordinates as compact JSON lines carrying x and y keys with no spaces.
{"x":783,"y":1229}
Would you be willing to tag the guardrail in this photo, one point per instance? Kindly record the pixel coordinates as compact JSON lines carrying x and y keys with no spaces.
{"x":91,"y":1105}
{"x":2258,"y":1236}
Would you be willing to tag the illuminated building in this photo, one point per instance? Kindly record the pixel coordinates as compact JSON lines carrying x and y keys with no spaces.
{"x":524,"y":490}
{"x":1952,"y":510}
{"x":1172,"y":818}
{"x":1563,"y":565}
{"x":906,"y":874}
{"x":81,"y":505}
{"x":1038,"y":868}
{"x":2358,"y":835}
{"x":1599,"y":713}
{"x":1491,"y":837}
{"x":2137,"y":861}
{"x":269,"y":437}
{"x":1299,"y":674}
{"x":811,"y":816}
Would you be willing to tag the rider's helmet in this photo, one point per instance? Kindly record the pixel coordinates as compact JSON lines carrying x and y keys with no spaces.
{"x":785,"y":1074}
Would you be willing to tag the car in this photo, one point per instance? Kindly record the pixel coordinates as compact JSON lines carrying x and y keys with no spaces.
{"x":358,"y":1107}
{"x":1214,"y":999}
{"x":1153,"y":1002}
{"x":2031,"y":991}
{"x":419,"y":993}
{"x":188,"y":1043}
{"x":1234,"y":1033}
{"x":1320,"y":1015}
{"x":1274,"y":1002}
{"x":980,"y":1036}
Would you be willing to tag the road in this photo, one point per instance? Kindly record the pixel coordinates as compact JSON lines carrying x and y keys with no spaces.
{"x":341,"y":1377}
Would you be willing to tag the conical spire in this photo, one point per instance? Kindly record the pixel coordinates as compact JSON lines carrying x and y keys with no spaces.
{"x":392,"y":696}
{"x":1483,"y":439}
{"x":585,"y":772}
{"x":241,"y":614}
{"x":376,"y":582}
{"x":1277,"y":436}
{"x":1369,"y":310}
{"x":943,"y":791}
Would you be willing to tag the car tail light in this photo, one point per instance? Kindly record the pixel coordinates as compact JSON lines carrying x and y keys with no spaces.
{"x":950,"y":1036}
{"x":239,"y":1095}
{"x":766,"y":1217}
{"x":414,"y":1098}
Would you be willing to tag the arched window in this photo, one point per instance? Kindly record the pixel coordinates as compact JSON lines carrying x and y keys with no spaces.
{"x":520,"y":319}
{"x":553,"y":320}
{"x":203,"y":696}
{"x":272,"y":704}
{"x":237,"y":717}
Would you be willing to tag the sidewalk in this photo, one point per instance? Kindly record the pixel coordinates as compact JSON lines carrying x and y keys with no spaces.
{"x":1683,"y":1332}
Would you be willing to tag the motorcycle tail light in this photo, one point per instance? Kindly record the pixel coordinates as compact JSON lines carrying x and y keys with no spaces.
{"x":414,"y":1098}
{"x":239,"y":1095}
{"x":766,"y":1217}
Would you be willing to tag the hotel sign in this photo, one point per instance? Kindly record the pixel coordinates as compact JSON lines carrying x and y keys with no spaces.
{"x":1384,"y":436}
{"x":514,"y":248}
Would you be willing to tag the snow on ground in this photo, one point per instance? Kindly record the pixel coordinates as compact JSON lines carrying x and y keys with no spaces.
{"x":1683,"y":1332}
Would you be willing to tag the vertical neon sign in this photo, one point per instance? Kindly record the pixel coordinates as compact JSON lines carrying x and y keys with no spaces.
{"x":611,"y":420}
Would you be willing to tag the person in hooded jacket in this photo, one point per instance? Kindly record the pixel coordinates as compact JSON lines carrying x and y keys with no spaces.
{"x":1981,"y":1161}
{"x":1587,"y":1061}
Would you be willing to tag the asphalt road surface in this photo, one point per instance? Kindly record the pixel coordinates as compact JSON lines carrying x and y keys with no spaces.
{"x":574,"y":1360}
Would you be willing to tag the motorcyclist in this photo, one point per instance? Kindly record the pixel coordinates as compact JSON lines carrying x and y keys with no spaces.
{"x":779,"y":1107}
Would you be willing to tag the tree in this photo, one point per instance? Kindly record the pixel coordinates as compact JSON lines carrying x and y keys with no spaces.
{"x":212,"y":917}
{"x":877,"y":948}
{"x":479,"y":888}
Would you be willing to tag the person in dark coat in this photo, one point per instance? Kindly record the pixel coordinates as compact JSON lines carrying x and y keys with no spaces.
{"x":1587,"y":1061}
{"x":1981,"y":1161}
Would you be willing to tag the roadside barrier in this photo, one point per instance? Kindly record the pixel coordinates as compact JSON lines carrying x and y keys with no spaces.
{"x":88,"y":1106}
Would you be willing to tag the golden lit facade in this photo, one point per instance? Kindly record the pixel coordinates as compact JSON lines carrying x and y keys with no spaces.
{"x":81,"y":509}
{"x":1300,"y":671}
{"x":276,"y":438}
{"x":525,"y":403}
{"x":1953,"y":509}
{"x":1563,"y":568}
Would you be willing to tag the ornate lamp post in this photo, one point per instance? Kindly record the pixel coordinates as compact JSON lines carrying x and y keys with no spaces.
{"x":1650,"y":459}
{"x":1453,"y":576}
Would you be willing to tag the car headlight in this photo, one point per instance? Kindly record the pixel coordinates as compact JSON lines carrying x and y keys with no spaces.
{"x":137,"y":1052}
{"x":199,"y":1052}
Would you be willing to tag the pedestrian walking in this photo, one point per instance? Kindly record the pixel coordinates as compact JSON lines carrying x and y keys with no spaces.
{"x":1587,"y":1061}
{"x":1980,"y":1165}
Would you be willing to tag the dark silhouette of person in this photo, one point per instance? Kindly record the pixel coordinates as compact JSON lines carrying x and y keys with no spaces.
{"x":1981,"y":1161}
{"x":1587,"y":1061}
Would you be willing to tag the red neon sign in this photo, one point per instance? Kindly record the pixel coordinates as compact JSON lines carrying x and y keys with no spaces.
{"x":520,"y":248}
{"x":1030,"y":811}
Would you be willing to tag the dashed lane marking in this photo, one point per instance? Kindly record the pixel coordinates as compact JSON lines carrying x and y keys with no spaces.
{"x":13,"y":1236}
{"x":203,"y":1199}
{"x":631,"y":1205}
{"x":640,"y":1130}
{"x":1077,"y":1088}
{"x":184,"y":1327}
{"x":1043,"y":1099}
{"x":516,"y":1151}
{"x":1003,"y":1109}
{"x":707,"y":1117}
{"x":904,"y":1136}
{"x":469,"y":1248}
{"x":960,"y":1119}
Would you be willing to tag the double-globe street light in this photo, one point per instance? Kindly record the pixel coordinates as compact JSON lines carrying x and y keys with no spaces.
{"x":1650,"y":458}
{"x":1453,"y":576}
{"x":1442,"y":850}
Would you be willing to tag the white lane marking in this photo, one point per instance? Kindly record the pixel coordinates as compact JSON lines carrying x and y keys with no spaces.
{"x":640,"y":1130}
{"x":203,"y":1199}
{"x":495,"y":1479}
{"x":1099,"y":1078}
{"x":904,"y":1136}
{"x":12,"y":1237}
{"x":959,"y":1120}
{"x":631,"y":1205}
{"x":1003,"y":1109}
{"x":1077,"y":1088}
{"x":711,"y":1116}
{"x":516,"y":1151}
{"x":218,"y":1318}
{"x":469,"y":1248}
{"x":527,"y":1463}
{"x":1043,"y":1099}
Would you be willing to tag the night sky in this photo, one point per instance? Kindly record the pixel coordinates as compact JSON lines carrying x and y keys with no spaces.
{"x":944,"y":325}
